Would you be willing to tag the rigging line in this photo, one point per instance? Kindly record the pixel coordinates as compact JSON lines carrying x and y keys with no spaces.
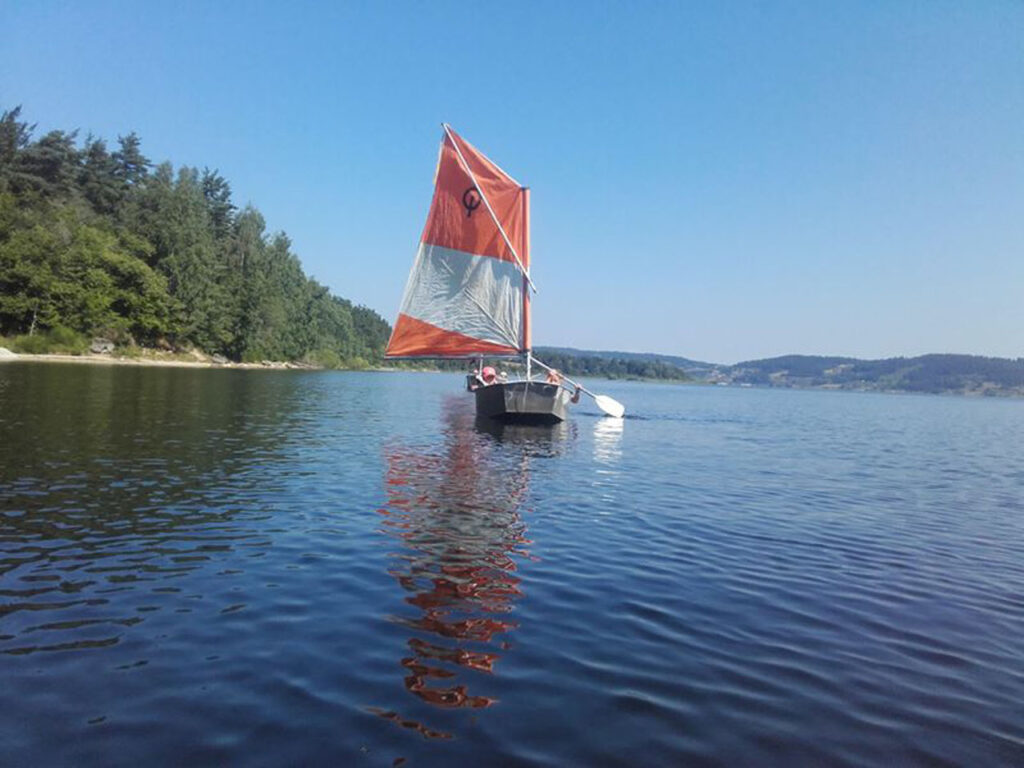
{"x":487,"y":204}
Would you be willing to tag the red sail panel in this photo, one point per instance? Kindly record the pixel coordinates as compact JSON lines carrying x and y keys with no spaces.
{"x":415,"y":338}
{"x":458,"y":217}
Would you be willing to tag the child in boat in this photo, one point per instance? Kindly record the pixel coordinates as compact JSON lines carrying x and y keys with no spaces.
{"x":477,"y":379}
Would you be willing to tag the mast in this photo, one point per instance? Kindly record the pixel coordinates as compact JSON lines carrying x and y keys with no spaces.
{"x":527,"y":339}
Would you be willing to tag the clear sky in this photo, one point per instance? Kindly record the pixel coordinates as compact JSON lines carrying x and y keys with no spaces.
{"x":722,"y":181}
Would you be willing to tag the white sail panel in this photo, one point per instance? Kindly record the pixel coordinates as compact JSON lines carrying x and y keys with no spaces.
{"x":476,"y":296}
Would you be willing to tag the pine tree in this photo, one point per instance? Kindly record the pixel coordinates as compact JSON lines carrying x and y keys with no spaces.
{"x":98,"y":178}
{"x":131,"y":166}
{"x":14,"y":137}
{"x":46,"y":168}
{"x":217,"y":192}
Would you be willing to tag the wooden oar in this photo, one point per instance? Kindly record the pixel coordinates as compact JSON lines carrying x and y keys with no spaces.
{"x":609,"y":405}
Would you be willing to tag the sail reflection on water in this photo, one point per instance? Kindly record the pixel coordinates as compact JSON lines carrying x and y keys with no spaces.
{"x":456,"y":511}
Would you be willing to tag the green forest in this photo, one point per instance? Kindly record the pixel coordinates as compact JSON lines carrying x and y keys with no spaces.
{"x":96,"y":240}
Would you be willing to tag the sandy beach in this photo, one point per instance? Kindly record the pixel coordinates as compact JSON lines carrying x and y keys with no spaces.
{"x":152,"y":360}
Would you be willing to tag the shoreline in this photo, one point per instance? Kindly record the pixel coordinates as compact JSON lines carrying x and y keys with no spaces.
{"x":156,"y":362}
{"x":91,"y":358}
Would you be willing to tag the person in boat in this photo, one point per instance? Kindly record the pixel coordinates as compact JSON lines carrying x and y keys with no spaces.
{"x":555,"y":377}
{"x":482,"y":378}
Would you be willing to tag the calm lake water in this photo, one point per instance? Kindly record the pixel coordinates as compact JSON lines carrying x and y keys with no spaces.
{"x":285,"y":568}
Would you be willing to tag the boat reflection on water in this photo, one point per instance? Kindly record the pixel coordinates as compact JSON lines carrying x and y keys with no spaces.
{"x":531,"y":440}
{"x":455,"y":508}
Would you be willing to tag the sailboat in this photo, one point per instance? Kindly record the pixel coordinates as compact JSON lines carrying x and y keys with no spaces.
{"x":469,"y":292}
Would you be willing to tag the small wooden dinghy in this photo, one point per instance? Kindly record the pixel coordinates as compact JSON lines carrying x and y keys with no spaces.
{"x":468,"y":294}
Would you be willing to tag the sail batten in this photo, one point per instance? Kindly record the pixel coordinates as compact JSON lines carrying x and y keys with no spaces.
{"x":466,"y":293}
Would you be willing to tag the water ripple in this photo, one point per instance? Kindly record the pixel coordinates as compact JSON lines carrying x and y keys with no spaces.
{"x":232,"y":567}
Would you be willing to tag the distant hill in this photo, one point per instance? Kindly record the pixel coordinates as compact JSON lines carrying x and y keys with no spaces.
{"x":962,"y":374}
{"x":936,"y":373}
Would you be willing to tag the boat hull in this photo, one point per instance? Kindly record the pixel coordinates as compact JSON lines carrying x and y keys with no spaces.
{"x":523,"y":402}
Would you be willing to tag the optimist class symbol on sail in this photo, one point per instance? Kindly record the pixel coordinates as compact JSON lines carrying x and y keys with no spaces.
{"x":470,"y":200}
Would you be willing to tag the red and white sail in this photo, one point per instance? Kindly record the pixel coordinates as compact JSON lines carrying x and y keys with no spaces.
{"x":467,"y":292}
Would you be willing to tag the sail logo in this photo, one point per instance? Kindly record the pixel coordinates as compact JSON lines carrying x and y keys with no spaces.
{"x":470,"y":200}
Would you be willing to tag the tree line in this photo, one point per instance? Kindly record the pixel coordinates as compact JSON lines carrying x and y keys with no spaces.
{"x":99,"y":241}
{"x":575,"y":364}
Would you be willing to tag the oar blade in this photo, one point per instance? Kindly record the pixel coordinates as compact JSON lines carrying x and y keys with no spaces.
{"x":610,"y":406}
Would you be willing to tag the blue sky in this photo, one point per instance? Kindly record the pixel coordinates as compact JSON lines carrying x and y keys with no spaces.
{"x":722,"y":181}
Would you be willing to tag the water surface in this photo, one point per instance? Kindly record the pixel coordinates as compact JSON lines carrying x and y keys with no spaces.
{"x":264,"y":568}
